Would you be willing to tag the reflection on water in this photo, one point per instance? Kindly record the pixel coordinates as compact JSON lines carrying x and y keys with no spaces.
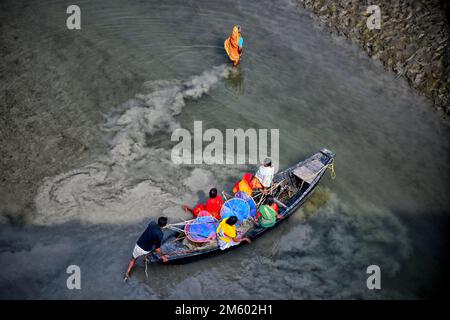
{"x":318,"y":199}
{"x":235,"y":81}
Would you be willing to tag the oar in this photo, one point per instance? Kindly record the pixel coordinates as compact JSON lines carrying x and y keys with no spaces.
{"x":169,"y":226}
{"x":225,"y":195}
{"x":276,"y":186}
{"x":261,"y":200}
{"x":194,"y":233}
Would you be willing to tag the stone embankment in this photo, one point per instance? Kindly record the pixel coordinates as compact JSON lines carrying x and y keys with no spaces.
{"x":412,"y":41}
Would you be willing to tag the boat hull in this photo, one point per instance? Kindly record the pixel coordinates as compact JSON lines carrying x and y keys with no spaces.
{"x":326,"y":157}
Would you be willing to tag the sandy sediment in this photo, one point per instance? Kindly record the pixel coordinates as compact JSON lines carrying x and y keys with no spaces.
{"x":48,"y":91}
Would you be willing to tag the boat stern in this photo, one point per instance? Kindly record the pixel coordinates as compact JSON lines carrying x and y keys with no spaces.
{"x":330,"y":154}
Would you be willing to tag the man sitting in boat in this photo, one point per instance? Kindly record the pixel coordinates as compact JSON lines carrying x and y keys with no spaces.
{"x":268,"y":213}
{"x":233,"y":45}
{"x":213,"y":205}
{"x":264,"y":176}
{"x":149,"y":240}
{"x":226,"y":233}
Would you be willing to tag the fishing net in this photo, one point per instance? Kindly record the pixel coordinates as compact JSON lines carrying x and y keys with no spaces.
{"x":235,"y":207}
{"x":251,"y":203}
{"x":201,"y":228}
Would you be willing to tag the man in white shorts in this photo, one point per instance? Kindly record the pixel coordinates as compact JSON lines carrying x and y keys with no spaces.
{"x":149,"y":240}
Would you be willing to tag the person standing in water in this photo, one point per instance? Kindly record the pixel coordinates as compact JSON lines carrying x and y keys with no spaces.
{"x":234,"y":45}
{"x":150,"y":240}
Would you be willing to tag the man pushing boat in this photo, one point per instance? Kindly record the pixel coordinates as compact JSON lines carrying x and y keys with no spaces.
{"x":149,"y":240}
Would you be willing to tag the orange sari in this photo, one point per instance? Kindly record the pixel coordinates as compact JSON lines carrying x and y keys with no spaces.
{"x":231,"y":45}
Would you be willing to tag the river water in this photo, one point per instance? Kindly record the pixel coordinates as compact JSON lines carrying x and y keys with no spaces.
{"x":139,"y":69}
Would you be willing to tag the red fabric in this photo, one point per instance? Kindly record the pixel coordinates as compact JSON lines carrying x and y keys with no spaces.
{"x":213,"y":206}
{"x":199,"y":208}
{"x":275,"y":207}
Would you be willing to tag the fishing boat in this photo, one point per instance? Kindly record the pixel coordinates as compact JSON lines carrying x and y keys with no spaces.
{"x":290,"y":189}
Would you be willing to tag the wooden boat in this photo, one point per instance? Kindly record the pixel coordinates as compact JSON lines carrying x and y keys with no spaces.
{"x":291,"y":188}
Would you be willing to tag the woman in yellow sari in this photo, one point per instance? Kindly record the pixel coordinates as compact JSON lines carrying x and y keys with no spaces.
{"x":233,"y":45}
{"x":227,"y":235}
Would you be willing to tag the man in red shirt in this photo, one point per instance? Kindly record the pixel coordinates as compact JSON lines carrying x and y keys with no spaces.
{"x":213,"y":205}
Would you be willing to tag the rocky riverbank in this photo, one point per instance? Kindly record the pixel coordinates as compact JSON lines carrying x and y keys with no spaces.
{"x":413,"y":40}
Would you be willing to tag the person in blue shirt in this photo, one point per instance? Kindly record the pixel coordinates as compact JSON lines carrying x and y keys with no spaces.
{"x":149,"y":240}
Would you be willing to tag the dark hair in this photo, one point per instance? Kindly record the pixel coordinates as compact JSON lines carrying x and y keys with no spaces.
{"x":267,"y":162}
{"x":232,"y":220}
{"x":270,"y":200}
{"x":162,"y":221}
{"x":213,"y":193}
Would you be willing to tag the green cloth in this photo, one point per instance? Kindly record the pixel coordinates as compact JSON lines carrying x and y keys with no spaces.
{"x":268,"y":216}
